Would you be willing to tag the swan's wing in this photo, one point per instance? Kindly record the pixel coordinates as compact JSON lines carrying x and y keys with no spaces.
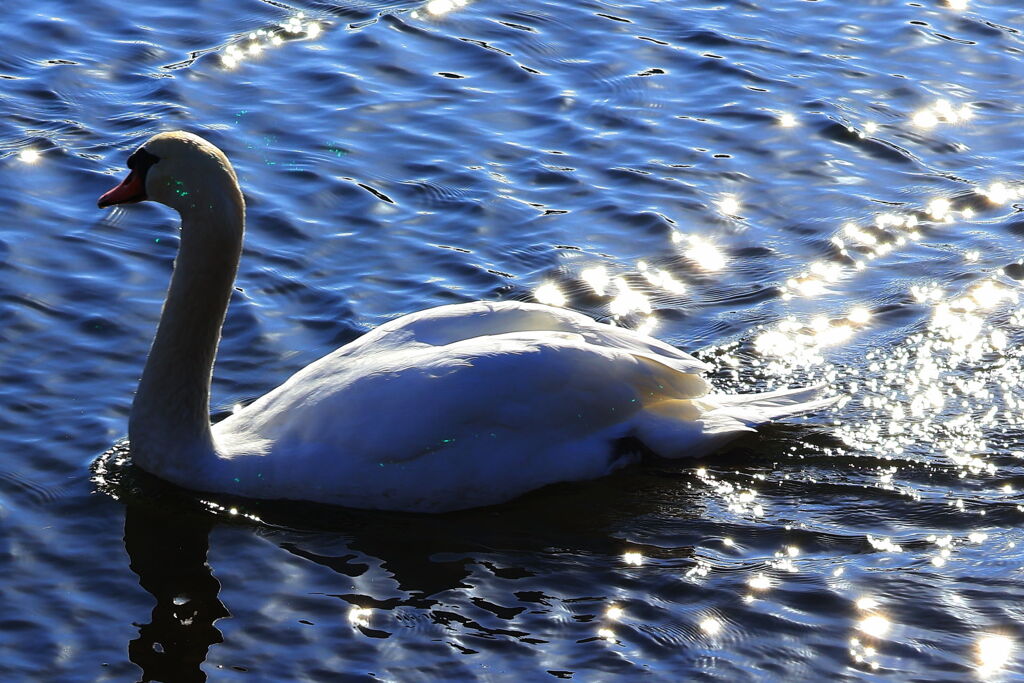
{"x":436,"y":428}
{"x":445,"y":325}
{"x":472,"y":422}
{"x":460,"y":406}
{"x":403,"y":404}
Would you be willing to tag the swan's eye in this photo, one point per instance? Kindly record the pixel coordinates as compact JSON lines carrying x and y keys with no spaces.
{"x":141,"y":160}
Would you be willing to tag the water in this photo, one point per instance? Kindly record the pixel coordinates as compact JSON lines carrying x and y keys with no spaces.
{"x":800,"y":191}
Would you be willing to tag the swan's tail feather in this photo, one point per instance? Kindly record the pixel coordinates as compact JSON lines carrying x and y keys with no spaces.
{"x":756,"y":409}
{"x":680,"y":428}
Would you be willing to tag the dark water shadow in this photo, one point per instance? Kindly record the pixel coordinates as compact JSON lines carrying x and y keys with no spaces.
{"x":168,"y":553}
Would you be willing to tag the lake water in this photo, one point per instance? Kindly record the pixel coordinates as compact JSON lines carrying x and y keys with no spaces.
{"x":797,"y":191}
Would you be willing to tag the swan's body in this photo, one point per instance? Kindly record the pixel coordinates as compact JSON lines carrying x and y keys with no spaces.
{"x":449,"y":408}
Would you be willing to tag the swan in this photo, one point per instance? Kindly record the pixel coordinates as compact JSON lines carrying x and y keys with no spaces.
{"x":453,"y":407}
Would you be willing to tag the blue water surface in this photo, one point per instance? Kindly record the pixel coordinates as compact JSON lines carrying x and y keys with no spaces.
{"x":798,"y":191}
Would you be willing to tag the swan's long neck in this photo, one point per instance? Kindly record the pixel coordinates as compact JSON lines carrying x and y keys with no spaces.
{"x":169,"y":427}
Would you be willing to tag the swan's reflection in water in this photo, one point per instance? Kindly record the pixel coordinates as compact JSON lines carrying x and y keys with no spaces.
{"x":168,"y":552}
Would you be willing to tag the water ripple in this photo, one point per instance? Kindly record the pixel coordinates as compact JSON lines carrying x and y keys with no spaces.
{"x":798,"y":195}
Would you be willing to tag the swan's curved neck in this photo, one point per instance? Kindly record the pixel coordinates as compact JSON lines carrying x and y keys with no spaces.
{"x":169,"y":427}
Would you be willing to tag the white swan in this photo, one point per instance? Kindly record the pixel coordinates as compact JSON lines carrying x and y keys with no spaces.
{"x":449,"y":408}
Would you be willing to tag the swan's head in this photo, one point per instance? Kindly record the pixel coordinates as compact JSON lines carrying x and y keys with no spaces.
{"x":177,"y":169}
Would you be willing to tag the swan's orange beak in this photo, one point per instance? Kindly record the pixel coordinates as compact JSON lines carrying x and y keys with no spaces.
{"x":132,"y":189}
